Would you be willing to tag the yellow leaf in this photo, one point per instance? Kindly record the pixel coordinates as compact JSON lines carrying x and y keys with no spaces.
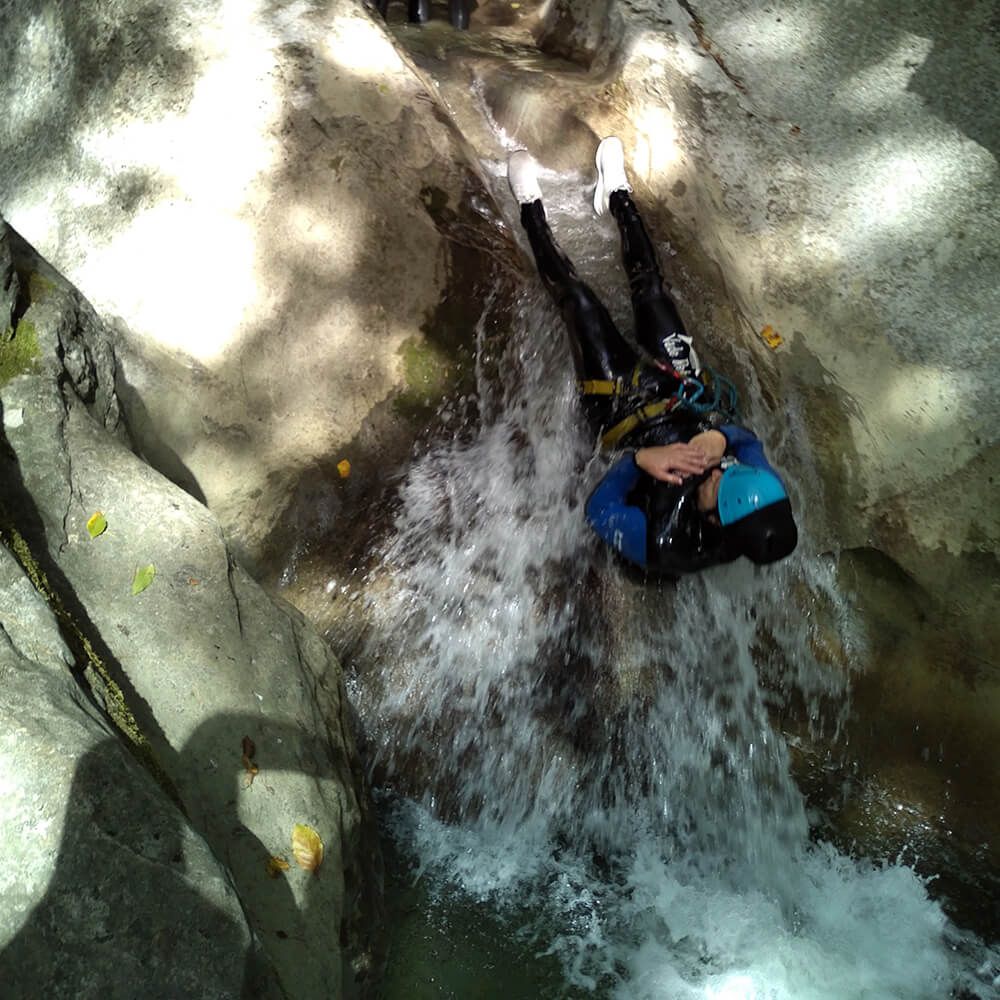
{"x":276,"y":865}
{"x":97,"y":524}
{"x":143,"y":578}
{"x":514,"y":6}
{"x":771,"y":337}
{"x":307,"y":848}
{"x":344,"y":468}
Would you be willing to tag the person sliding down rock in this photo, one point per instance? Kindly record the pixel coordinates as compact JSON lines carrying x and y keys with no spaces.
{"x":693,"y":487}
{"x":419,"y":11}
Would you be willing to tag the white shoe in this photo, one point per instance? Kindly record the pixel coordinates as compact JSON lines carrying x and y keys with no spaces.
{"x":522,"y":176}
{"x":610,"y":172}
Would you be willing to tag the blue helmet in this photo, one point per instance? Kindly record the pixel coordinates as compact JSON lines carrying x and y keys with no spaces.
{"x":756,"y":514}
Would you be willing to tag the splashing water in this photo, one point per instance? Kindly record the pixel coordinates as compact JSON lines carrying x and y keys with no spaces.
{"x":599,"y":753}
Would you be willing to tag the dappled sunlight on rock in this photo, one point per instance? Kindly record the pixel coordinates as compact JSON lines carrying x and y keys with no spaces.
{"x":204,"y":320}
{"x":900,"y":193}
{"x":784,"y":30}
{"x":308,"y":228}
{"x":198,"y":173}
{"x":41,"y":43}
{"x":656,"y":52}
{"x":656,"y":147}
{"x":874,"y":88}
{"x":358,"y":46}
{"x":919,"y":401}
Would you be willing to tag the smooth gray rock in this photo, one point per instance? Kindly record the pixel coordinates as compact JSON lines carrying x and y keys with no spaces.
{"x":106,"y":890}
{"x":203,"y":657}
{"x":259,"y":194}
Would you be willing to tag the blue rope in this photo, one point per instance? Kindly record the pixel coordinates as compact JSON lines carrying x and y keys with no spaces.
{"x":723,"y":397}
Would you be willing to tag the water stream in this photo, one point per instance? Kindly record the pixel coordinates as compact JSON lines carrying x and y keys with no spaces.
{"x":585,"y":790}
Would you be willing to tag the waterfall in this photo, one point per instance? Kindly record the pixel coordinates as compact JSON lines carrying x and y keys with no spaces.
{"x":597,"y":755}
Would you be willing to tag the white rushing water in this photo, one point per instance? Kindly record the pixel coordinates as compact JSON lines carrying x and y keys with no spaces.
{"x":598,"y":753}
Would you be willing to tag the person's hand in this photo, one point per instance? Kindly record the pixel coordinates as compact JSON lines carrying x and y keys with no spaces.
{"x":671,"y":463}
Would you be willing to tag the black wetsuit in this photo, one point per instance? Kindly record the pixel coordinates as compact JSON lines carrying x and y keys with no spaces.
{"x":419,"y":11}
{"x":600,"y":352}
{"x":653,"y":524}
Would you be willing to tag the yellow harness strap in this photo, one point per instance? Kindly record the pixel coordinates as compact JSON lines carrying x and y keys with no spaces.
{"x":608,"y":387}
{"x":616,"y":387}
{"x":633,"y":420}
{"x":601,"y":387}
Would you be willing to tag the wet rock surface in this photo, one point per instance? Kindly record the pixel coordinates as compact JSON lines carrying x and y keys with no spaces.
{"x":850,"y":209}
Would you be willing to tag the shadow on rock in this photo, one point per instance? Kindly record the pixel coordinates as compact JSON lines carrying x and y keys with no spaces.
{"x":136,"y":897}
{"x":131,"y":902}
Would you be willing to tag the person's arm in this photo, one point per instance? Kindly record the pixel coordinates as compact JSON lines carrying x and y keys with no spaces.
{"x":618,"y":523}
{"x":746,"y":447}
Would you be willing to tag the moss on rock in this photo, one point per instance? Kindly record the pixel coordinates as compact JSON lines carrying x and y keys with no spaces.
{"x":19,"y":351}
{"x":38,"y":286}
{"x":428,"y":371}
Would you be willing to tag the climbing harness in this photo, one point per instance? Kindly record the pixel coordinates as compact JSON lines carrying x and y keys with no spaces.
{"x":644,"y":415}
{"x":709,"y":392}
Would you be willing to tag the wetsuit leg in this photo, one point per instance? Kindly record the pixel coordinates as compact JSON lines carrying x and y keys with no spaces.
{"x":419,"y":11}
{"x":458,"y":11}
{"x":599,"y":350}
{"x":658,"y":327}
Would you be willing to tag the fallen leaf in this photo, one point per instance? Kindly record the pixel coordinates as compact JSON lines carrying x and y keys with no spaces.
{"x":143,"y":578}
{"x":97,"y":524}
{"x":771,"y":337}
{"x":344,"y":468}
{"x":193,"y":581}
{"x":276,"y":865}
{"x":307,"y":848}
{"x":249,"y":749}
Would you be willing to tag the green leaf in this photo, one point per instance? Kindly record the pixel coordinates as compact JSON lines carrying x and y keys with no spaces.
{"x":97,"y":524}
{"x":143,"y":578}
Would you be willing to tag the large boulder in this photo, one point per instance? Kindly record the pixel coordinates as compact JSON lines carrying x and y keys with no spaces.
{"x":273,"y":206}
{"x":106,"y":884}
{"x":233,"y":704}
